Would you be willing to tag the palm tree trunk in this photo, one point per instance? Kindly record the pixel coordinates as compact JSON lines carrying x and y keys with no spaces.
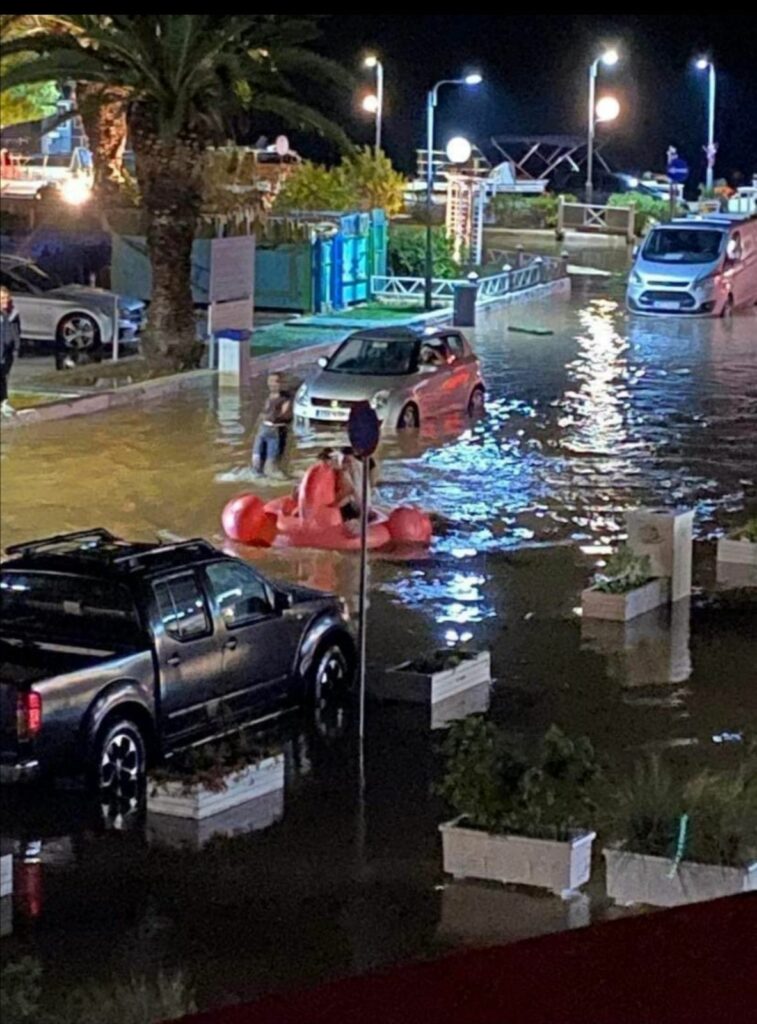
{"x":170,"y":180}
{"x":103,"y":113}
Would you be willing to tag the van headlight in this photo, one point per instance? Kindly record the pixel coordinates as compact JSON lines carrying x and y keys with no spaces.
{"x":302,"y":393}
{"x":380,"y":401}
{"x":636,"y":277}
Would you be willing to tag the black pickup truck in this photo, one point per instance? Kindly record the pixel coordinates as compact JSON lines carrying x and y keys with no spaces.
{"x":114,"y":654}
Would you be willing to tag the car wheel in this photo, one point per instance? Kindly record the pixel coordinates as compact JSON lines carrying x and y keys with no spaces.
{"x":118,"y":768}
{"x":329,"y":688}
{"x":477,"y":402}
{"x":78,"y":332}
{"x":409,"y":418}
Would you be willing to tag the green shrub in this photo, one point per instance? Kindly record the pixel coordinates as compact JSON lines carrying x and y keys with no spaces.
{"x":512,"y":210}
{"x":499,"y":789}
{"x":407,"y":253}
{"x":624,"y":571}
{"x":648,"y":209}
{"x":362,"y":181}
{"x":749,"y":530}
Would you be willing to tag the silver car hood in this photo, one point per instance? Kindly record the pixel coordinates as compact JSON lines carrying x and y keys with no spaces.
{"x":356,"y":386}
{"x":100,"y":298}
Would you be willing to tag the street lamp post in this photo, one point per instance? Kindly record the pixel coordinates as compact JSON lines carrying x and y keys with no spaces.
{"x":431,"y":101}
{"x":703,"y":64}
{"x":373,"y":62}
{"x":608,"y":58}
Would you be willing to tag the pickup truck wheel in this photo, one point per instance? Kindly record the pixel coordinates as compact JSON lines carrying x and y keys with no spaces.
{"x":329,"y":689}
{"x":118,"y":766}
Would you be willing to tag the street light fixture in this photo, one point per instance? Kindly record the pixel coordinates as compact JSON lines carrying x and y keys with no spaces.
{"x":472,"y":79}
{"x":372,"y":62}
{"x":705,"y":64}
{"x":609,"y":58}
{"x":607,"y":109}
{"x":370,"y":103}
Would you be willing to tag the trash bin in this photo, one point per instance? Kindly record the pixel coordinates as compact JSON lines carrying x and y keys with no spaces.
{"x":464,"y":304}
{"x":233,"y":356}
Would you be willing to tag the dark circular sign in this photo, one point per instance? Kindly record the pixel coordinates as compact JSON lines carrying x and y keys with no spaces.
{"x":678,"y":169}
{"x":363,"y":429}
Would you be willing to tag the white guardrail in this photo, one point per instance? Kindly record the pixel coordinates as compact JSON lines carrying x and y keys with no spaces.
{"x":490,"y":288}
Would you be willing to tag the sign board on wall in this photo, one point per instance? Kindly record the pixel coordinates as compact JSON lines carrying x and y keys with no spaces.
{"x":232,"y":268}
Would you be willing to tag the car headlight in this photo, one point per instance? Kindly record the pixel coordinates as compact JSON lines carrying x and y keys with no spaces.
{"x":636,"y":277}
{"x":380,"y":400}
{"x":302,"y":393}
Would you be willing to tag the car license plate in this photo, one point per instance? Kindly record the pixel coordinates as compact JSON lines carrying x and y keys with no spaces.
{"x":329,"y":414}
{"x":668,"y":305}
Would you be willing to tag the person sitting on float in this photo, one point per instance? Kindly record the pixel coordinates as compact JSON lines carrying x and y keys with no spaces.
{"x":350,"y":484}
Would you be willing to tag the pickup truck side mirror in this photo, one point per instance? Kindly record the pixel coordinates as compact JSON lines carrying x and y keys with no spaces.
{"x":323,"y":362}
{"x":283,"y":601}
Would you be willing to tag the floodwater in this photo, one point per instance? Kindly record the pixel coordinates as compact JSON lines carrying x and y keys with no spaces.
{"x":604,"y":414}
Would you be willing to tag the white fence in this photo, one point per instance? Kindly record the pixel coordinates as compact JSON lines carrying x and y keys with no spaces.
{"x":490,"y":288}
{"x":593,"y":219}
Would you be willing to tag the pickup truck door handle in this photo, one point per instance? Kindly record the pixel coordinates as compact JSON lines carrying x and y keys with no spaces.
{"x":173,"y":660}
{"x":231,"y":645}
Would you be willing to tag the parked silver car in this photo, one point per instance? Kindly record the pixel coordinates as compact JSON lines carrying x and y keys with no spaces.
{"x":75,"y":317}
{"x":406,"y":375}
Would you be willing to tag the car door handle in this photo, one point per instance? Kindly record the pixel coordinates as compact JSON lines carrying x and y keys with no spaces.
{"x":173,"y":660}
{"x":231,"y":645}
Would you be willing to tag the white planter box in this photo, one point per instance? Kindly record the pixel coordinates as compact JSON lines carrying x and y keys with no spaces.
{"x":403,"y":683}
{"x":6,"y":875}
{"x":254,"y":781}
{"x":738,"y":551}
{"x":735,"y":574}
{"x":6,"y":916}
{"x":473,"y":701}
{"x":550,"y":864}
{"x":638,"y":878}
{"x":667,"y":537}
{"x":252,"y":816}
{"x":596,"y":604}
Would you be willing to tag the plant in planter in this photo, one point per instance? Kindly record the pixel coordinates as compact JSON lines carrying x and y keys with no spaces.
{"x":520,"y":820}
{"x":206,"y":780}
{"x":740,"y":548}
{"x":683,"y":841}
{"x":624,"y":589}
{"x":436,"y":677}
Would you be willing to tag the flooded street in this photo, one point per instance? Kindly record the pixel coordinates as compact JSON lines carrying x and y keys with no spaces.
{"x":603,"y":414}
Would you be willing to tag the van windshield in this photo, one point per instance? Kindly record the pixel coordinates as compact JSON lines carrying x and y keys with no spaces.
{"x":683,"y":245}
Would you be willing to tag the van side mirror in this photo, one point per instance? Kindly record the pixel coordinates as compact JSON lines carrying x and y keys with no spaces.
{"x":323,"y":362}
{"x":635,"y":251}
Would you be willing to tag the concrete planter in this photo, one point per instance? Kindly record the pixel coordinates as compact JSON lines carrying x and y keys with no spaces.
{"x":405,"y":684}
{"x":666,"y":536}
{"x":6,"y":875}
{"x":639,"y":878}
{"x":596,"y":604}
{"x":473,"y":701}
{"x":737,"y":552}
{"x":253,"y":815}
{"x":560,"y":866}
{"x":256,"y":780}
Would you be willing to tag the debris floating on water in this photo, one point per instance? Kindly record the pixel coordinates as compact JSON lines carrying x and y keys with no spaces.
{"x":530,"y":330}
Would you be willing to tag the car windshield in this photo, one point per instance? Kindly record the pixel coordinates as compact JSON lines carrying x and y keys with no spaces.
{"x":684,"y":245}
{"x":60,"y":608}
{"x":33,"y":277}
{"x":379,"y":357}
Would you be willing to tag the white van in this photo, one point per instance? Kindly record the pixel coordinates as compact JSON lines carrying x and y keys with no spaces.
{"x":696,"y":266}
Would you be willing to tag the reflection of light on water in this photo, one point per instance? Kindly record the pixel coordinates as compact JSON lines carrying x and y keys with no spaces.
{"x":452,"y":596}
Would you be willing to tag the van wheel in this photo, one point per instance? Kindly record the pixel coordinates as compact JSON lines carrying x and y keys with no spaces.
{"x":727,"y":311}
{"x":118,"y":765}
{"x":409,"y":418}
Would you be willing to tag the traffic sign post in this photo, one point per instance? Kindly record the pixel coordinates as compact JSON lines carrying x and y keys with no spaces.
{"x":364,"y":431}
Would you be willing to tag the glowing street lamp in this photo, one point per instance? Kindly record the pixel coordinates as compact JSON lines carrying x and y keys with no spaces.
{"x":471,"y":79}
{"x":459,"y":150}
{"x":375,"y":104}
{"x":609,"y":58}
{"x":607,"y":109}
{"x":705,"y":64}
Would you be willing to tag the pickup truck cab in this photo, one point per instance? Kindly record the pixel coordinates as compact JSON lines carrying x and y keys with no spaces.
{"x":115,"y":654}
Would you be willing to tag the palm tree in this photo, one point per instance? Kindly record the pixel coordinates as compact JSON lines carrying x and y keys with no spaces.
{"x":179,"y":77}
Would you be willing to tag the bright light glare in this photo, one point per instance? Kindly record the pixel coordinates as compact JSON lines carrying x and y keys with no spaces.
{"x":474,"y":79}
{"x":458,"y":150}
{"x":703,"y":64}
{"x":76,"y":191}
{"x":610,"y":57}
{"x":371,"y":104}
{"x":371,"y":61}
{"x":608,"y":109}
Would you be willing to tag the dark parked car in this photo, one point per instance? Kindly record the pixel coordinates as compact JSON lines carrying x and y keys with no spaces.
{"x":114,"y":654}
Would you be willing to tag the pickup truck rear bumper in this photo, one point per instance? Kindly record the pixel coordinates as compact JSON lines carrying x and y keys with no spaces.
{"x":18,"y":771}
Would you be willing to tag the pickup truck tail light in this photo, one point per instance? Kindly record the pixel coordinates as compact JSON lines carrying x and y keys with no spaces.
{"x":28,"y":715}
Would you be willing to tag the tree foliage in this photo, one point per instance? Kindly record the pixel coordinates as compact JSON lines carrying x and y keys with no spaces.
{"x":363,"y":180}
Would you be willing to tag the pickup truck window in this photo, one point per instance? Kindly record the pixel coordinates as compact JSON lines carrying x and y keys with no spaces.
{"x":240,"y":593}
{"x":69,"y":609}
{"x":182,"y":607}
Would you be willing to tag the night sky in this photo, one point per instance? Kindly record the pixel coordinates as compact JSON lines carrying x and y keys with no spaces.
{"x":536,"y":80}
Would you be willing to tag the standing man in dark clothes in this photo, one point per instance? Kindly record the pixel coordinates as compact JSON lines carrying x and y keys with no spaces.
{"x":271,"y":438}
{"x":10,"y":341}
